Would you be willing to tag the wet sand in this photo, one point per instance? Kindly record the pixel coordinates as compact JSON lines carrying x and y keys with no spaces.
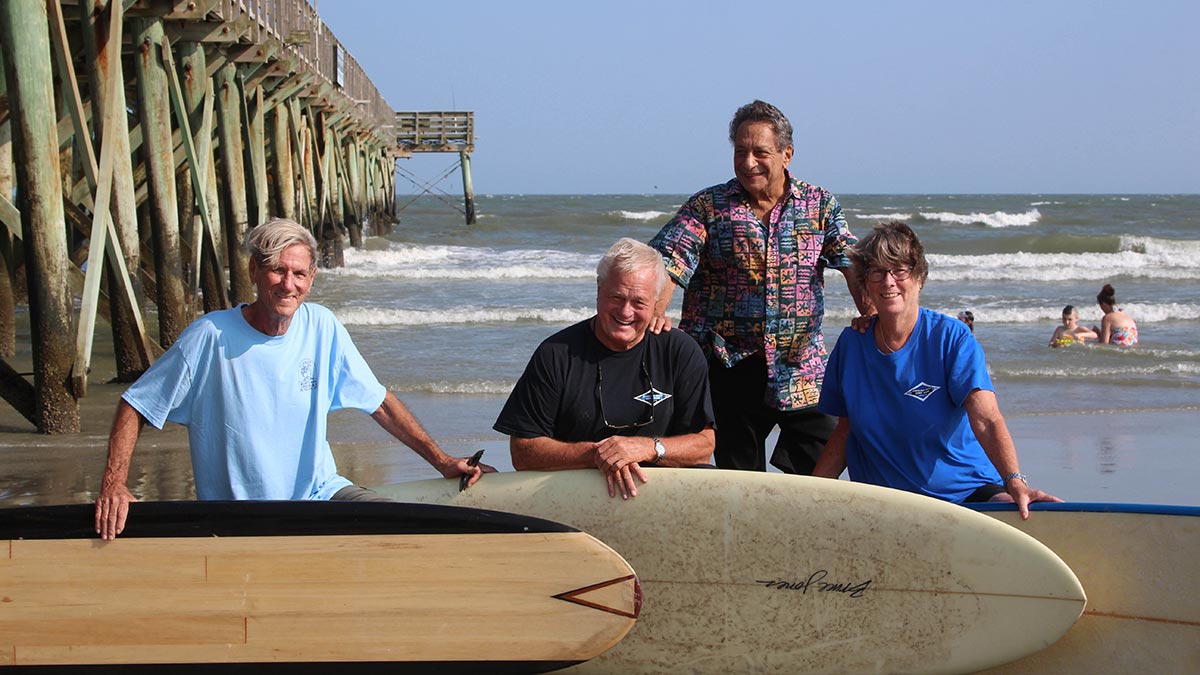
{"x":1143,"y":456}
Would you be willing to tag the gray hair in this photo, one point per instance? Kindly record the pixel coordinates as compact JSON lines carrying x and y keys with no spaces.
{"x":630,"y":255}
{"x":761,"y":111}
{"x":889,"y":245}
{"x":268,"y":241}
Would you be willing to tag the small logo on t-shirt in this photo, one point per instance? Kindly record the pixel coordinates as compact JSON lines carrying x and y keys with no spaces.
{"x":308,"y":381}
{"x":652,"y":397}
{"x":922,"y":391}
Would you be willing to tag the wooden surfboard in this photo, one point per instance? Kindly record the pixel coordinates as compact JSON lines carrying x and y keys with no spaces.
{"x":306,"y":587}
{"x":767,"y":573}
{"x":1138,"y":564}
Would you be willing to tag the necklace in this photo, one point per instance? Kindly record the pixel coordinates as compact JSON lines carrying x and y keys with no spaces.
{"x":882,"y":342}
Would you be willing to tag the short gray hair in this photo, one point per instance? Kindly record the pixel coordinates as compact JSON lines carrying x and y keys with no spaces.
{"x":268,"y":241}
{"x":630,"y":255}
{"x":761,"y":111}
{"x":889,"y":245}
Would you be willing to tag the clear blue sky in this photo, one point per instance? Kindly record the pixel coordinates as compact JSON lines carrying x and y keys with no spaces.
{"x":948,"y":96}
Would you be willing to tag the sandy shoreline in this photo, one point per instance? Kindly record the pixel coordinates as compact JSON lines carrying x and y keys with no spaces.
{"x":1142,"y":455}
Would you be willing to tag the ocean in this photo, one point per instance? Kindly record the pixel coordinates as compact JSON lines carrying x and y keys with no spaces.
{"x":448,"y":314}
{"x":443,"y":308}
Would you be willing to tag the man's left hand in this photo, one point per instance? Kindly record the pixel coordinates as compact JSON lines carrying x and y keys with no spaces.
{"x":618,"y":457}
{"x":461,"y":466}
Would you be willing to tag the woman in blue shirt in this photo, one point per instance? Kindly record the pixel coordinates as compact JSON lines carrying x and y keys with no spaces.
{"x":916,"y":408}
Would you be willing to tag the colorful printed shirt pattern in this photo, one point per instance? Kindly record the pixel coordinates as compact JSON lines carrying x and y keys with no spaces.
{"x":752,"y":287}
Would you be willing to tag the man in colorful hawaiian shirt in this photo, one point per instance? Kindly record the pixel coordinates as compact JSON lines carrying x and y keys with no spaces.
{"x":751,"y":255}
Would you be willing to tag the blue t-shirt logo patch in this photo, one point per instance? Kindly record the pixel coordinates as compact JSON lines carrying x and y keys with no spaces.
{"x":652,"y":397}
{"x":922,"y":391}
{"x":307,"y":381}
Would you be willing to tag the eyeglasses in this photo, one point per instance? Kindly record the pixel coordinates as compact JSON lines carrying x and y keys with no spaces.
{"x":600,"y":395}
{"x":899,"y":274}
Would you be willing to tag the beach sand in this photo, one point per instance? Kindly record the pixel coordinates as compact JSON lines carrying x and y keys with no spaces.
{"x":1146,"y":456}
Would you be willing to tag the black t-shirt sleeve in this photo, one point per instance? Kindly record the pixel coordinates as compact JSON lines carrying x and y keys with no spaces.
{"x":693,"y":403}
{"x":533,"y":404}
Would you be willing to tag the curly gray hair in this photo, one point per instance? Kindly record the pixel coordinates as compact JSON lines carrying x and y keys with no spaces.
{"x":761,"y":111}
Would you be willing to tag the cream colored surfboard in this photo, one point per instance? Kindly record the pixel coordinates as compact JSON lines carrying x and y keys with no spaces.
{"x":1139,"y":565}
{"x":767,"y":573}
{"x":333,"y":587}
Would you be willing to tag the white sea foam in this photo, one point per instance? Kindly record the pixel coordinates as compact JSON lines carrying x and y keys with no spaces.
{"x":997,"y":219}
{"x":408,"y":261}
{"x":447,"y":387}
{"x":1155,"y":246}
{"x":1142,"y":313}
{"x":356,"y":316}
{"x":885,"y":216}
{"x":1105,"y":372}
{"x":639,"y":215}
{"x":1139,"y":257}
{"x":837,"y":317}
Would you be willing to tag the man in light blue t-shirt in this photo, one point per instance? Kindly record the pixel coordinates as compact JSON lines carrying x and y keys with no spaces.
{"x":255,"y":385}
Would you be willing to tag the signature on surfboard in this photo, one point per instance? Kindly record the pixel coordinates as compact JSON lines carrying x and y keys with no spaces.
{"x":816,"y":582}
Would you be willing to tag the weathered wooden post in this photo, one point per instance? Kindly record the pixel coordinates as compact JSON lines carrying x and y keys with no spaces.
{"x":8,"y":324}
{"x":194,"y":83}
{"x":468,"y":190}
{"x":95,"y":16}
{"x":24,"y":34}
{"x":154,"y":112}
{"x":372,"y":174}
{"x":353,"y":193}
{"x":308,"y":172}
{"x":229,"y":129}
{"x":256,"y":155}
{"x":284,"y":182}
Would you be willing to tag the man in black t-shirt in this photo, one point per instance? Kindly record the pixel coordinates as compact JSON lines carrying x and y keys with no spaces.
{"x":606,"y":393}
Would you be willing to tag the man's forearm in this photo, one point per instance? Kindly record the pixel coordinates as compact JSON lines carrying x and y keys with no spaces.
{"x":126,"y":428}
{"x":689,"y":449}
{"x":397,"y":420}
{"x":855,"y":291}
{"x":664,"y":299}
{"x":832,"y":461}
{"x":546,"y":454}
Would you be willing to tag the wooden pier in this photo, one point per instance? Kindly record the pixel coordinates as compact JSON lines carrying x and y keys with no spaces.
{"x":418,"y":132}
{"x":141,"y":139}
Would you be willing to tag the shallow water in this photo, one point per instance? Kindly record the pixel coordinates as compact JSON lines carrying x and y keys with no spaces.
{"x":448,"y":315}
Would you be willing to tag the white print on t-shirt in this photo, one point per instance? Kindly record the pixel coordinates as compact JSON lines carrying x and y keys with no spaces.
{"x":652,"y":397}
{"x":307,"y":381}
{"x":922,"y":391}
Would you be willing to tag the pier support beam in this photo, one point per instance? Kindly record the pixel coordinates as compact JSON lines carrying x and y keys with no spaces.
{"x":8,"y":327}
{"x":95,"y":16}
{"x":237,"y":217}
{"x":197,"y":95}
{"x":154,"y":111}
{"x":468,"y":190}
{"x":284,"y":184}
{"x":24,"y":33}
{"x":256,"y":155}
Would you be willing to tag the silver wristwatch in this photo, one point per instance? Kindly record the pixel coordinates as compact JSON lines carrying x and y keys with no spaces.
{"x":660,"y":451}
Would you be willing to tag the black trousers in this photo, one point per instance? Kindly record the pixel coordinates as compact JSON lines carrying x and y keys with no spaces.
{"x":744,"y":420}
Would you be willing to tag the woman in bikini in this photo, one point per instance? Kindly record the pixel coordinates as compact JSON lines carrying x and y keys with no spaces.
{"x":1116,"y":327}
